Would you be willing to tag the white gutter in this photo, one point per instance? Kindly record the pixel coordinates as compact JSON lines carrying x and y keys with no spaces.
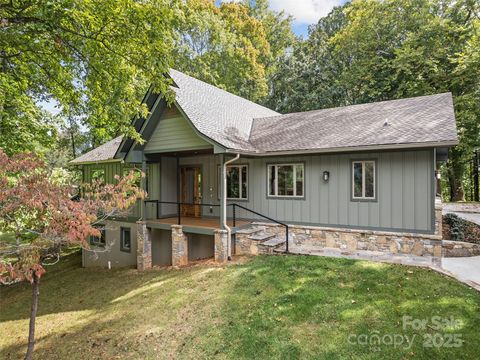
{"x":224,"y":201}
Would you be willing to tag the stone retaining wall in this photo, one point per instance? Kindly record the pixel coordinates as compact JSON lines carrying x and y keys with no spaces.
{"x":460,"y":249}
{"x":352,"y":240}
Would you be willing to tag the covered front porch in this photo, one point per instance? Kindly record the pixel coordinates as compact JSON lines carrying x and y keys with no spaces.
{"x":184,"y":218}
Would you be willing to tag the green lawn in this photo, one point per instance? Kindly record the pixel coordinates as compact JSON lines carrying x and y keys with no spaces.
{"x":279,"y":307}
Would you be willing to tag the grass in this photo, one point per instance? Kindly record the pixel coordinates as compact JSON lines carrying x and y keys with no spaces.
{"x":275,"y":307}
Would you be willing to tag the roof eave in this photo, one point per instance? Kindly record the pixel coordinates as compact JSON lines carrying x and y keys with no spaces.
{"x":95,"y":162}
{"x":347,"y":149}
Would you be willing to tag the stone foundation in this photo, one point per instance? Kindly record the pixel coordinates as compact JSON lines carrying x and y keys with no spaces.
{"x":221,"y":241}
{"x":460,"y":249}
{"x":352,"y":240}
{"x":144,"y":247}
{"x":179,"y":246}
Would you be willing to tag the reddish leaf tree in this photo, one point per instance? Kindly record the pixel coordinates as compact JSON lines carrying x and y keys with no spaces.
{"x":33,"y":204}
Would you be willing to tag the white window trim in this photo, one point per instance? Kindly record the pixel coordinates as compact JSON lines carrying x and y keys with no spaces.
{"x":363,"y":197}
{"x":294,"y":165}
{"x":240,"y":179}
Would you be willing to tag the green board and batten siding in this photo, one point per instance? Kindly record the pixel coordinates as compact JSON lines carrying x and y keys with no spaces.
{"x":112,"y":169}
{"x":174,"y":133}
{"x":404,"y":190}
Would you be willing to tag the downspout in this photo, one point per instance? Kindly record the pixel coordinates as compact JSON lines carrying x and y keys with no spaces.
{"x":224,"y":207}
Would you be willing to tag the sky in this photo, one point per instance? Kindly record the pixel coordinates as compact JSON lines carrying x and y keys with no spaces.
{"x":304,"y":12}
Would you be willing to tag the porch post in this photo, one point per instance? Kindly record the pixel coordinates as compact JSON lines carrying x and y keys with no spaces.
{"x":143,"y":184}
{"x":144,"y":246}
{"x":222,"y":192}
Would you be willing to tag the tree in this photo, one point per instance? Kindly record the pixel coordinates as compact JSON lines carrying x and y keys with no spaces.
{"x":41,"y":213}
{"x":94,"y":58}
{"x":381,"y":50}
{"x":232,"y":46}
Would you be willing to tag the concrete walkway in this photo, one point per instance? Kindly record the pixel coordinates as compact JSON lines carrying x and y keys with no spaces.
{"x":403,"y":259}
{"x":465,"y":269}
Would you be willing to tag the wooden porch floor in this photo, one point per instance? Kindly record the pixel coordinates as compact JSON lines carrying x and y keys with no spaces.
{"x":198,"y":222}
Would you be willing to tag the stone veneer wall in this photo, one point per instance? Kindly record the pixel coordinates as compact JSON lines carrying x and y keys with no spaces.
{"x":144,"y":246}
{"x":221,"y":243}
{"x":460,"y":249}
{"x":179,"y":246}
{"x":351,"y":240}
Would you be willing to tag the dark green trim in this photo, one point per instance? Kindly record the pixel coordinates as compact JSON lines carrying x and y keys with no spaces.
{"x":374,"y":199}
{"x":286,"y":197}
{"x":122,"y":234}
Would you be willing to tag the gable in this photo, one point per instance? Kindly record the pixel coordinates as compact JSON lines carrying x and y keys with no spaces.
{"x":174,"y":133}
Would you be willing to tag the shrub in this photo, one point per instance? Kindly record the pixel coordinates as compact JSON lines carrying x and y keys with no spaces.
{"x":459,"y":229}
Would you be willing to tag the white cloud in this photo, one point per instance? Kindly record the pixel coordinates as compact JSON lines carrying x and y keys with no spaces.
{"x":305,"y":11}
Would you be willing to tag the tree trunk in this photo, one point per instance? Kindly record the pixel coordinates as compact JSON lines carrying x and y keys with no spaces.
{"x":33,"y":316}
{"x":456,"y":169}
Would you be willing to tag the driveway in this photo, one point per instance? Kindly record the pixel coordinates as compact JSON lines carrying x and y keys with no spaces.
{"x":466,"y":211}
{"x":464,"y":268}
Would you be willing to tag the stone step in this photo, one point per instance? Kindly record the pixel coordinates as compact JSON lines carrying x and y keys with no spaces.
{"x":274,"y":242}
{"x":249,"y":230}
{"x":261,"y":236}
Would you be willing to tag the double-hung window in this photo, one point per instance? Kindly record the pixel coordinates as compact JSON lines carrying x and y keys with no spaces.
{"x":125,"y":239}
{"x":363,"y":180}
{"x":237,"y":182}
{"x":286,"y":180}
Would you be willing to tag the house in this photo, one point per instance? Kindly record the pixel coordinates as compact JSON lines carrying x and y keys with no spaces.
{"x":228,"y":176}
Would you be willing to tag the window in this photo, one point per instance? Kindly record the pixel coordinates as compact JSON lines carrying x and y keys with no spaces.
{"x":98,"y":175}
{"x":237,"y":182}
{"x":363,"y":180}
{"x":98,"y":241}
{"x":286,"y":180}
{"x":125,"y":239}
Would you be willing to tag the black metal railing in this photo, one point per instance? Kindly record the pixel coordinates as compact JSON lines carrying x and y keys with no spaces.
{"x":263,"y":216}
{"x":234,"y":213}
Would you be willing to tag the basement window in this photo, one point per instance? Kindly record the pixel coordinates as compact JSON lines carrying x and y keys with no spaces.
{"x":99,"y":241}
{"x":125,"y":239}
{"x":286,"y":180}
{"x":363,"y":180}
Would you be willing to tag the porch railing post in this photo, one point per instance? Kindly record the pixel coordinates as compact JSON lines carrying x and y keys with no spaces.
{"x":234,"y":221}
{"x":286,"y":238}
{"x":178,"y":214}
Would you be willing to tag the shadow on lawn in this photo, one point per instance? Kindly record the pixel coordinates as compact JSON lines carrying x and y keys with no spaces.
{"x":101,"y":313}
{"x":304,"y":307}
{"x":270,"y":307}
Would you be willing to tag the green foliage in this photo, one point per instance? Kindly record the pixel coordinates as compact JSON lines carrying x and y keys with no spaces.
{"x":232,"y":46}
{"x":377,"y":50}
{"x":94,"y":58}
{"x":461,"y":230}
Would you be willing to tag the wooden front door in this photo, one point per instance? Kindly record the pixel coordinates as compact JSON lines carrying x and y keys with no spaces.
{"x":191,"y":190}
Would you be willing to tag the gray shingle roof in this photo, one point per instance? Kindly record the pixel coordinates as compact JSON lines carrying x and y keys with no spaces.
{"x":419,"y":120}
{"x":216,"y":113}
{"x":243,"y":126}
{"x":101,"y":153}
